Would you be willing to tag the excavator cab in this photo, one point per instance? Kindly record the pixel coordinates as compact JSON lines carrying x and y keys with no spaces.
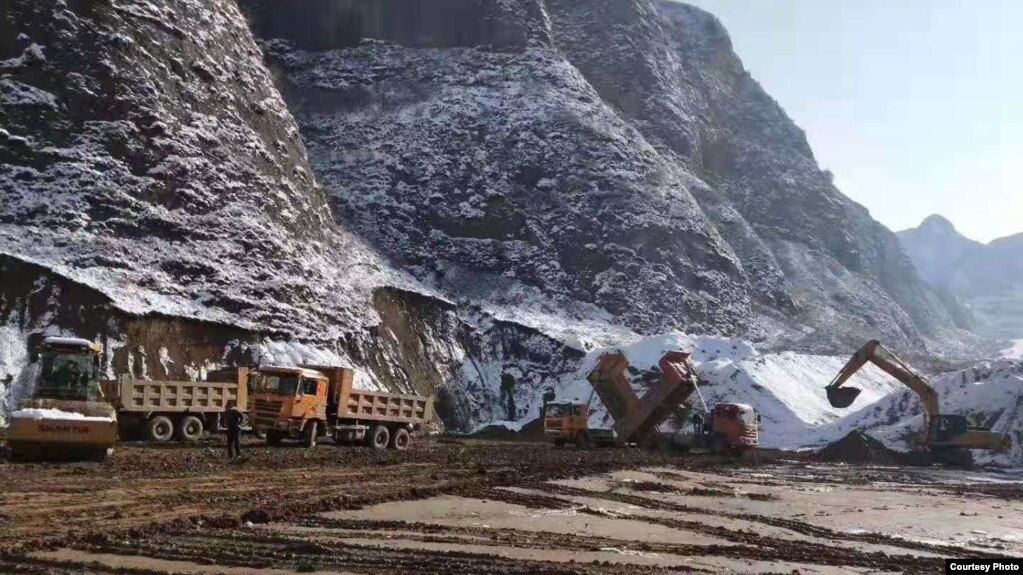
{"x":842,"y":397}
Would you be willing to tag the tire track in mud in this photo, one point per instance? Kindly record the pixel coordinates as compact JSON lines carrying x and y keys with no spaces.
{"x":743,"y":535}
{"x":259,"y":551}
{"x":748,"y":545}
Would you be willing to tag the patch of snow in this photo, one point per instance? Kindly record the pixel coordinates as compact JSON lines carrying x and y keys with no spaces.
{"x":77,"y":341}
{"x":39,"y":413}
{"x":1014,"y":351}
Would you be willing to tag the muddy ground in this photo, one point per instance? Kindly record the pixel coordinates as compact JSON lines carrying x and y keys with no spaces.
{"x":487,"y":507}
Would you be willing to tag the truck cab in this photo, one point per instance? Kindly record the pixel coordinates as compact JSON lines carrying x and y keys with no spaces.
{"x":728,"y":428}
{"x":289,"y":402}
{"x":568,"y":422}
{"x":733,"y":427}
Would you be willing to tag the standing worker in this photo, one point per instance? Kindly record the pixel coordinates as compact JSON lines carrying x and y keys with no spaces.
{"x":508,"y":394}
{"x":234,"y":430}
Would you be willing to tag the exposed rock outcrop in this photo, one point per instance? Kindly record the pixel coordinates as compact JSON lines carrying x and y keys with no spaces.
{"x":605,"y":157}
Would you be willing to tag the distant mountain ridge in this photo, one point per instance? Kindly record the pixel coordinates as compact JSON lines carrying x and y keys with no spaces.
{"x":987,"y":278}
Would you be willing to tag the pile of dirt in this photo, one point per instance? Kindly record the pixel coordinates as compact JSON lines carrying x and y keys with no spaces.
{"x":858,"y":447}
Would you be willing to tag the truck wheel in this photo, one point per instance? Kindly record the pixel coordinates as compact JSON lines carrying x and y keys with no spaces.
{"x":160,"y":428}
{"x":718,"y":445}
{"x":401,"y":440}
{"x":190,"y":429}
{"x":378,"y":437}
{"x":309,"y":434}
{"x":273,"y":439}
{"x":583,"y":440}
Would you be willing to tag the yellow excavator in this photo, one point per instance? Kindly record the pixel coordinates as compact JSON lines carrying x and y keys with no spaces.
{"x":947,"y":438}
{"x":67,"y":416}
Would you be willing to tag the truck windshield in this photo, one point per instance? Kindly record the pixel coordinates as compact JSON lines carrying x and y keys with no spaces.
{"x":67,"y":376}
{"x":560,"y":410}
{"x":748,"y":416}
{"x":285,"y":384}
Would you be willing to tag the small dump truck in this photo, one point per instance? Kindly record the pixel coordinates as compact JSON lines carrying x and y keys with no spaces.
{"x":568,"y":422}
{"x":309,"y":403}
{"x":182,"y":410}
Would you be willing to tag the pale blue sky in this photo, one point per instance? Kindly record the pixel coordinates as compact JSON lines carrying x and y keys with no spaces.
{"x":915,"y":105}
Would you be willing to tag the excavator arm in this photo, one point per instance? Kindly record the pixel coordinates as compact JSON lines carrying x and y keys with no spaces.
{"x":890,"y":363}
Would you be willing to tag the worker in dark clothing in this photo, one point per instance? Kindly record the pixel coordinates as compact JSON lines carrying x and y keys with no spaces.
{"x":234,"y":430}
{"x":508,"y":394}
{"x":697,"y":424}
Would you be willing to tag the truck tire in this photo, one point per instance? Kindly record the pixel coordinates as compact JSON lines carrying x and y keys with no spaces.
{"x":582,"y":441}
{"x":273,"y":438}
{"x":401,"y":440}
{"x":190,"y":429}
{"x":160,"y":429}
{"x":378,"y":437}
{"x":310,"y":433}
{"x":718,"y":444}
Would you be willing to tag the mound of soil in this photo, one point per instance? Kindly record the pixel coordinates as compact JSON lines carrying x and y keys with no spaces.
{"x":858,"y":447}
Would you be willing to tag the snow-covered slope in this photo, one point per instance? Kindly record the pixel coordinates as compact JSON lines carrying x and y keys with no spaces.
{"x":609,"y":157}
{"x":1015,"y":351}
{"x":787,"y":389}
{"x":145,"y":153}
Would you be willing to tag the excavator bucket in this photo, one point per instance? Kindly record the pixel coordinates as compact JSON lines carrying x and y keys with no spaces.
{"x":842,"y":397}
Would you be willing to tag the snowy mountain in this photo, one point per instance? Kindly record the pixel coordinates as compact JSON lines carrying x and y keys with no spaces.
{"x":436,"y":194}
{"x":600,"y":157}
{"x":987,"y":278}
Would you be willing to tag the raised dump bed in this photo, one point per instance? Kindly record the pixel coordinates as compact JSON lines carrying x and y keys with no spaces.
{"x":636,"y":418}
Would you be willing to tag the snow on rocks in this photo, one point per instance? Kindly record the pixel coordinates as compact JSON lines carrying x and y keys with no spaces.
{"x":1015,"y":351}
{"x":188,"y":194}
{"x":787,"y":390}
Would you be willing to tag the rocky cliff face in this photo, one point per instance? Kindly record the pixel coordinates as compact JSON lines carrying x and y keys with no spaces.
{"x":549,"y":166}
{"x":605,"y":153}
{"x":986,"y":278}
{"x":147,"y":154}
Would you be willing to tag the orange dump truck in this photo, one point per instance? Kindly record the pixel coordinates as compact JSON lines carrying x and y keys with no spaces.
{"x":313,"y":402}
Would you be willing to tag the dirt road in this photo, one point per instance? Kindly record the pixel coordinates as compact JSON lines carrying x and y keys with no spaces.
{"x":486,"y":507}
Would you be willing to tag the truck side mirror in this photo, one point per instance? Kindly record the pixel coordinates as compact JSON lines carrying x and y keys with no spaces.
{"x":758,"y":418}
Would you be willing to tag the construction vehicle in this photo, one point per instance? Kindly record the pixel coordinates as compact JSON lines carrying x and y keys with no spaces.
{"x":947,"y":437}
{"x":312,"y":402}
{"x":730,"y":427}
{"x":182,"y":410}
{"x":67,"y":416}
{"x":568,"y":422}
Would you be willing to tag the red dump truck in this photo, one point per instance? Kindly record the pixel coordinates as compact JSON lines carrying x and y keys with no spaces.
{"x":313,"y":402}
